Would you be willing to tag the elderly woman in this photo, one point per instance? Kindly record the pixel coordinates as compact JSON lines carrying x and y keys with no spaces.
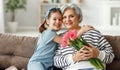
{"x":69,"y":58}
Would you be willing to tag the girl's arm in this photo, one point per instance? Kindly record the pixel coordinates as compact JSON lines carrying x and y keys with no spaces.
{"x":83,"y":29}
{"x":58,"y":39}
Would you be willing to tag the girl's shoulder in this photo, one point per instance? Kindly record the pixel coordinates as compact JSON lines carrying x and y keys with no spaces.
{"x":49,"y":31}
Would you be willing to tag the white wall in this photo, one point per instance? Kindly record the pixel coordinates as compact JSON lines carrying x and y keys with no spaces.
{"x":98,"y":13}
{"x":90,"y":9}
{"x":92,"y":14}
{"x":27,"y":19}
{"x":1,"y":17}
{"x":30,"y":17}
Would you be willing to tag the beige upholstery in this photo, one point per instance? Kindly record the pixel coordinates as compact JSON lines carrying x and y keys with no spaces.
{"x":16,"y":50}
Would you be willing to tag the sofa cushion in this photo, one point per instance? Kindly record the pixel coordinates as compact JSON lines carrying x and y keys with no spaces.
{"x":115,"y":43}
{"x":16,"y":50}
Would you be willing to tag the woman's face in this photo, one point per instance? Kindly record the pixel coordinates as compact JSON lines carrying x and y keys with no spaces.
{"x":55,"y":21}
{"x":70,"y":19}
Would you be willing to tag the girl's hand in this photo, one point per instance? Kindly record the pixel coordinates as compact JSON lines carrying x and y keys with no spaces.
{"x":84,"y":29}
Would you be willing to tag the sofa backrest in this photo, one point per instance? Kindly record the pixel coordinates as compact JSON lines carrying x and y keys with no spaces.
{"x":16,"y":50}
{"x":115,"y":43}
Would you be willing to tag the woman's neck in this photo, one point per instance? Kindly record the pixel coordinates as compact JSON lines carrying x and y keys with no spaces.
{"x":76,"y":28}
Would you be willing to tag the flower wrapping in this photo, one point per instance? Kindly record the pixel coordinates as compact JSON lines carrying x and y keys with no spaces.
{"x":70,"y":38}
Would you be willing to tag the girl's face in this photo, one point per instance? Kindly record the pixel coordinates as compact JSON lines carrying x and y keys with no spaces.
{"x":55,"y":21}
{"x":70,"y":19}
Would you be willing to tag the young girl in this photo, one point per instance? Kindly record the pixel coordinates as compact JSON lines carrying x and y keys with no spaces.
{"x":42,"y":59}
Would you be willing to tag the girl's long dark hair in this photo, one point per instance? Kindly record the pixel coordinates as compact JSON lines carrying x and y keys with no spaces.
{"x":47,"y":16}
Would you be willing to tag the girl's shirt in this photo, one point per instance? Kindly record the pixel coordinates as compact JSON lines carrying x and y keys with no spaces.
{"x":46,"y":47}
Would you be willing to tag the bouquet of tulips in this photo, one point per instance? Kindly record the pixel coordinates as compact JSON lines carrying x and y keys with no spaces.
{"x":70,"y":37}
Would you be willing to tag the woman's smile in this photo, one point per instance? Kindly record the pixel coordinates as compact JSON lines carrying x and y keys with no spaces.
{"x":70,"y":19}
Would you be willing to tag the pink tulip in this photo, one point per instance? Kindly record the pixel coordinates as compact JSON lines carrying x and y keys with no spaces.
{"x":72,"y":34}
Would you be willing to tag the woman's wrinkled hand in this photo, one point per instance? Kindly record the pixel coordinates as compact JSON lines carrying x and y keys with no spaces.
{"x":94,"y":51}
{"x":85,"y":53}
{"x":82,"y":54}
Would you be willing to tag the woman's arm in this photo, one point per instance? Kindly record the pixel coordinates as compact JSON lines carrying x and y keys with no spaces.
{"x":60,"y":59}
{"x":105,"y":47}
{"x":98,"y":41}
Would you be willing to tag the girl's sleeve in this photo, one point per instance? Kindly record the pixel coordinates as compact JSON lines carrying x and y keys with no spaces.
{"x":49,"y":35}
{"x":106,"y":49}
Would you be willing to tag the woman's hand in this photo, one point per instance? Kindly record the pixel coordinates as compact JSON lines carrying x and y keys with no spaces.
{"x":94,"y":51}
{"x":82,"y":54}
{"x":85,"y":53}
{"x":84,"y":29}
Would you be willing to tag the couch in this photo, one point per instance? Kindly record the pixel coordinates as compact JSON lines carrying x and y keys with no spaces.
{"x":16,"y":50}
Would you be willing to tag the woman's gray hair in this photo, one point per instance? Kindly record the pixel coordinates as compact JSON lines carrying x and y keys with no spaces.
{"x":75,"y":7}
